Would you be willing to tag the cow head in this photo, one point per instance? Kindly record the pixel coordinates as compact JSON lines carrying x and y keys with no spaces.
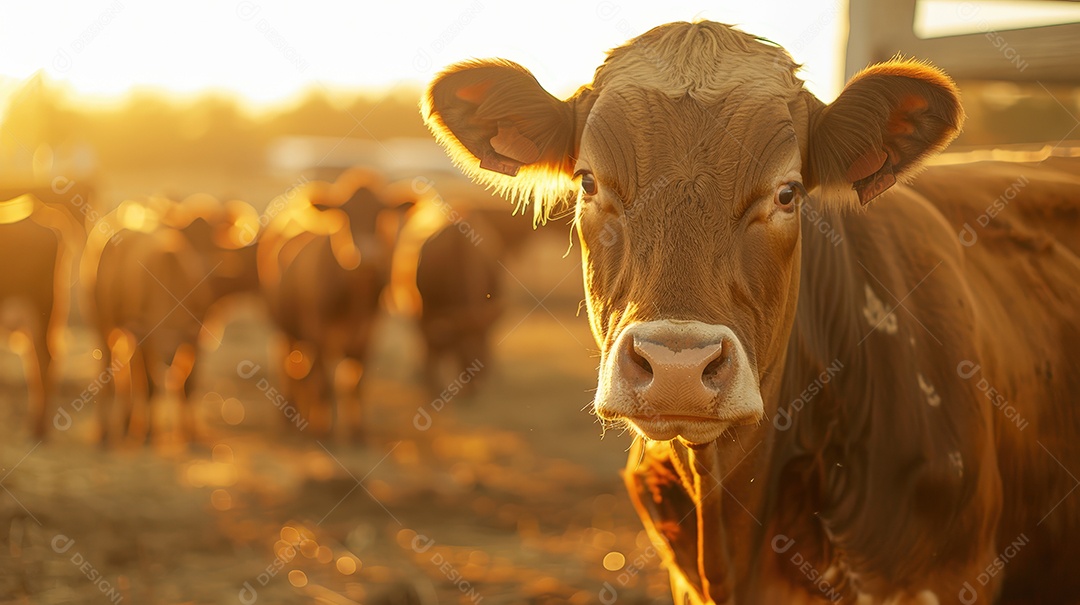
{"x":691,"y":153}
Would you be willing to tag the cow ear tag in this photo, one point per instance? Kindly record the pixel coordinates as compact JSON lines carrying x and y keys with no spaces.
{"x":496,"y":163}
{"x":875,"y":184}
{"x":872,"y":174}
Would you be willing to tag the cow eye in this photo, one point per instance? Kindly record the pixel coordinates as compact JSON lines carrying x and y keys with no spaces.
{"x":788,"y":194}
{"x":588,"y":183}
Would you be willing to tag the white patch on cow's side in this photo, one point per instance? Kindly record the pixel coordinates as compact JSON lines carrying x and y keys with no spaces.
{"x":879,"y":317}
{"x":928,"y":389}
{"x":957,"y":460}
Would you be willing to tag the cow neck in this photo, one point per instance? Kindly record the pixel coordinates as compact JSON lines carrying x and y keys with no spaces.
{"x":827,"y":330}
{"x":823,"y":355}
{"x":825,"y":338}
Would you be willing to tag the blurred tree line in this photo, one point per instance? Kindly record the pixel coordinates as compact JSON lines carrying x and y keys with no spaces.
{"x":216,"y":131}
{"x":148,"y":129}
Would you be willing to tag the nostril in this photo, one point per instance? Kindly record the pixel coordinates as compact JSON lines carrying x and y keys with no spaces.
{"x":711,"y":375}
{"x":713,"y":368}
{"x":639,"y":360}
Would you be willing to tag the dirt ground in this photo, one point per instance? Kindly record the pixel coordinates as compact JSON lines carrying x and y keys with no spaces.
{"x":508,"y":495}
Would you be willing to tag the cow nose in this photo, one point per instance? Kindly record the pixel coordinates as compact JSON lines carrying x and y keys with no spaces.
{"x":680,"y":368}
{"x":679,"y":378}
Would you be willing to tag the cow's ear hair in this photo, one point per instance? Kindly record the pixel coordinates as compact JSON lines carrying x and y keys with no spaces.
{"x":886,"y":122}
{"x":506,"y":132}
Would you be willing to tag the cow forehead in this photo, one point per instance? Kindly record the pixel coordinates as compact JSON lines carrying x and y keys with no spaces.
{"x":642,"y":143}
{"x":705,"y":61}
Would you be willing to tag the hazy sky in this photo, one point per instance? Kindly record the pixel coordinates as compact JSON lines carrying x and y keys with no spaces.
{"x":268,"y":49}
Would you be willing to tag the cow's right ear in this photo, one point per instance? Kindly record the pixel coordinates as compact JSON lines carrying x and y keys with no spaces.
{"x":506,"y":132}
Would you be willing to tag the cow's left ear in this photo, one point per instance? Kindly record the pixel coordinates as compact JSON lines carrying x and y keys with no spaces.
{"x":505,"y":131}
{"x":887,"y":121}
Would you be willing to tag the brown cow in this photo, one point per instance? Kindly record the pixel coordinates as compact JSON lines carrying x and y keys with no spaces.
{"x":152,"y":271}
{"x":446,"y":274}
{"x":824,"y":419}
{"x":38,"y":241}
{"x":323,"y":263}
{"x":224,"y":234}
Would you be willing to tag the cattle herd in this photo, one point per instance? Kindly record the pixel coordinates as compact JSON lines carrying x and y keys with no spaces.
{"x":819,"y":419}
{"x":155,"y":278}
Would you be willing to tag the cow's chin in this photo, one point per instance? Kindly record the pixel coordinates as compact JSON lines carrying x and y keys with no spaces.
{"x":691,"y":425}
{"x":693,"y":422}
{"x":693,"y":430}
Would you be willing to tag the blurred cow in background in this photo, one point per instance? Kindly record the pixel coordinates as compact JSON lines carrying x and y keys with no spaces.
{"x":38,"y":241}
{"x":323,"y":262}
{"x":224,"y":234}
{"x":152,"y":272}
{"x":447,"y":274}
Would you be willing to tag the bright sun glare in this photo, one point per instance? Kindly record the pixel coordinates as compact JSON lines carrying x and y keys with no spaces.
{"x":269,"y":50}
